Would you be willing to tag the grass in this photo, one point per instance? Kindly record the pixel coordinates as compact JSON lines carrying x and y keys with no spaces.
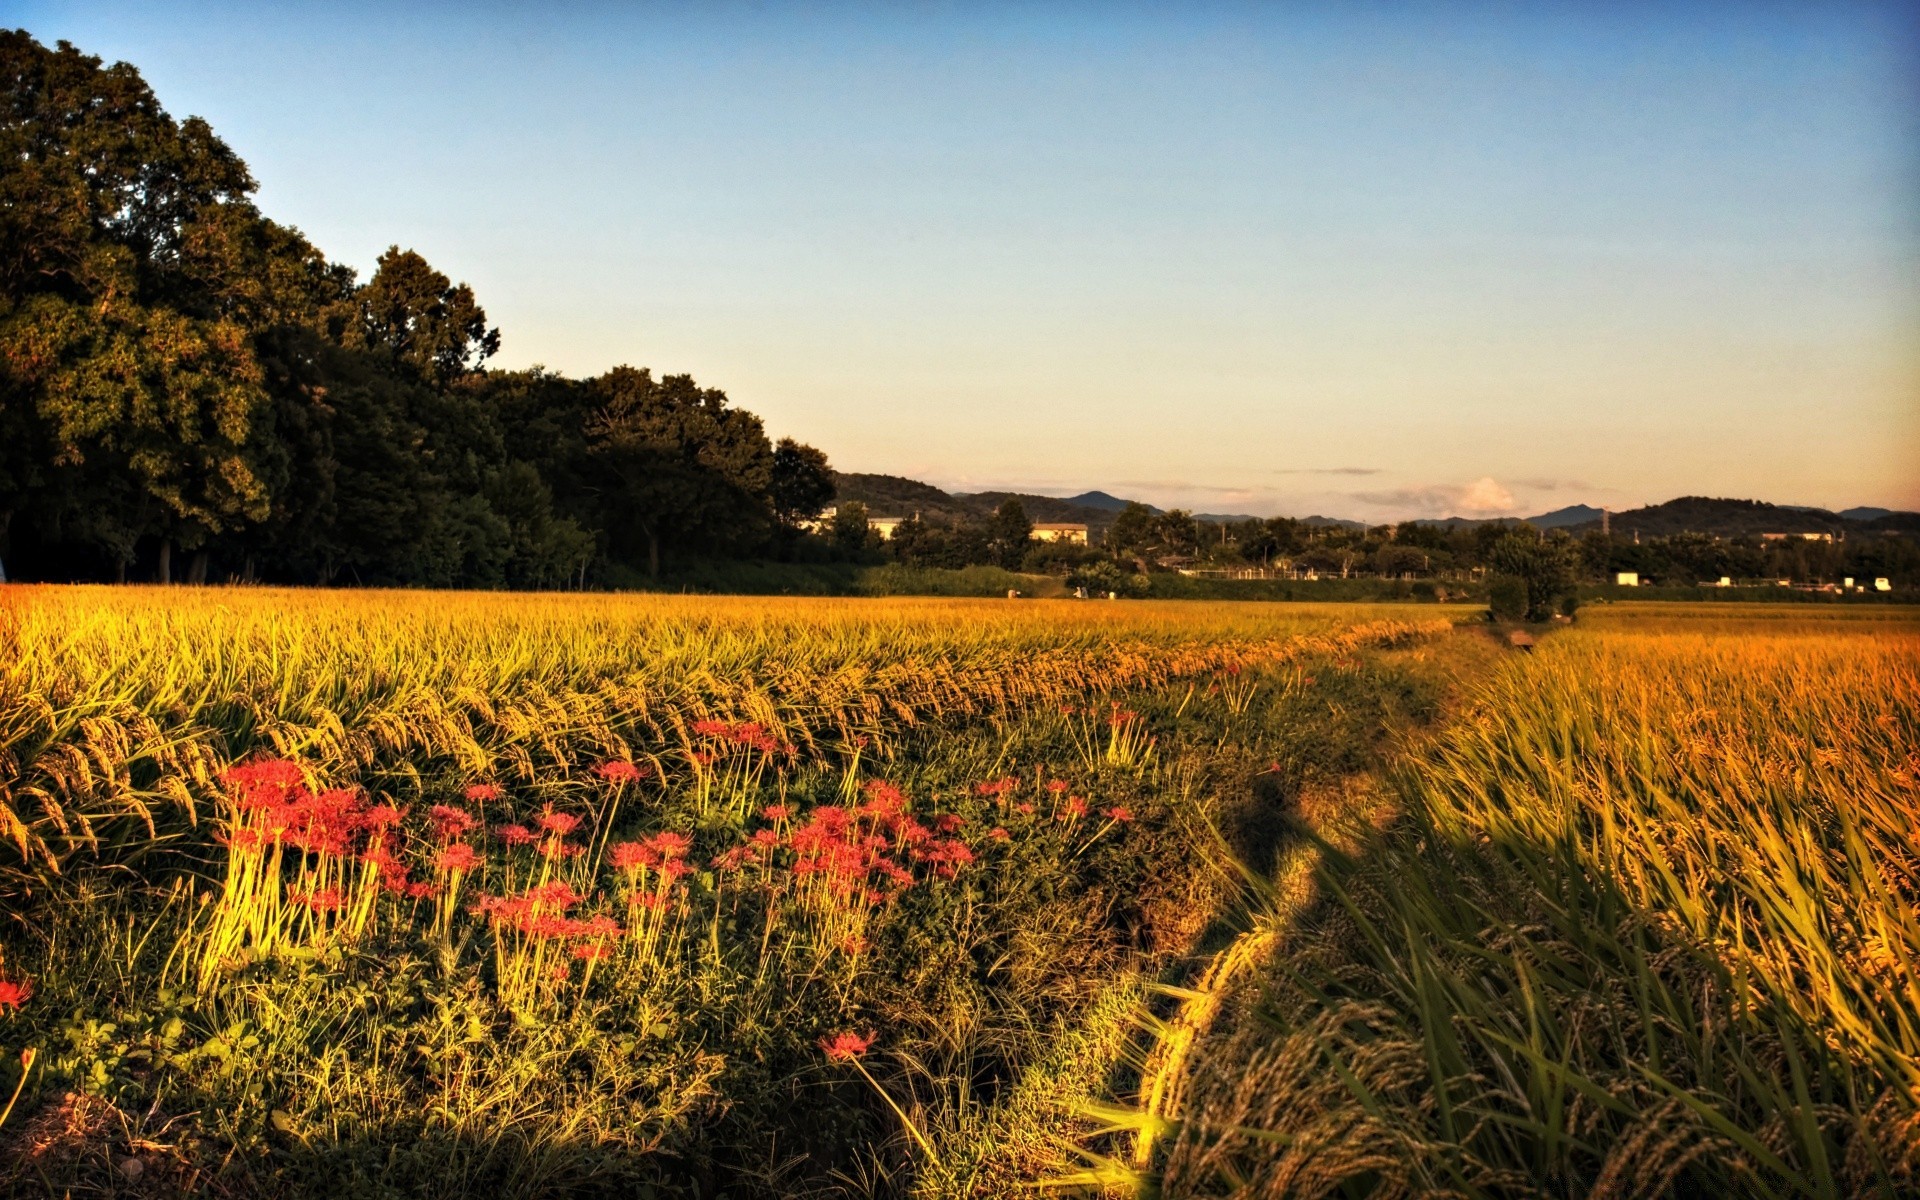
{"x":432,"y":895}
{"x":1646,"y":925}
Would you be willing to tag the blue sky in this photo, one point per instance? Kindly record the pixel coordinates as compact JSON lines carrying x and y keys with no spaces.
{"x":1372,"y":259}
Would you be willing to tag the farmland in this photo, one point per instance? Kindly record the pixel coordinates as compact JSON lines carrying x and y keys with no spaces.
{"x":320,"y":893}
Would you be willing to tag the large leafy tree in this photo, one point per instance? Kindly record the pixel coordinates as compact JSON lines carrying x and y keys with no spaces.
{"x":420,"y":320}
{"x":134,"y":271}
{"x":677,"y":466}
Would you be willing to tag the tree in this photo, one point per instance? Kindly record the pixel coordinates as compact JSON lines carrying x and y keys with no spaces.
{"x":801,"y":483}
{"x":851,"y":534}
{"x":418,"y":318}
{"x":1132,"y":531}
{"x":1544,"y":567}
{"x":677,"y":465}
{"x":1009,"y":533}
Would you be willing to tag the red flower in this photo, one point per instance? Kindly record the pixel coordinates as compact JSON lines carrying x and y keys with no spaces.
{"x":1118,"y":813}
{"x":480,"y":793}
{"x":775,"y":812}
{"x":998,"y":834}
{"x":329,"y":900}
{"x":1076,"y":808}
{"x":619,"y":770}
{"x":1056,"y":786}
{"x":449,"y":822}
{"x":845,"y":1047}
{"x":1023,"y":808}
{"x":514,"y":835}
{"x":631,"y":856}
{"x":459,"y":857}
{"x":14,"y":993}
{"x":559,"y":823}
{"x":669,"y":844}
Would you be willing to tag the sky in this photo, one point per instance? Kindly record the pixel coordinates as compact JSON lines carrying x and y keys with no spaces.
{"x":1368,"y":260}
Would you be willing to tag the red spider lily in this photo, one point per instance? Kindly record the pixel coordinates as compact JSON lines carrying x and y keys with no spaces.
{"x":556,"y":849}
{"x":619,"y":770}
{"x":731,"y":860}
{"x":997,"y":787}
{"x":481,"y":793}
{"x":381,"y":816}
{"x":669,"y":844}
{"x":265,"y":782}
{"x":998,"y":834}
{"x":1057,"y":786}
{"x":702,"y":758}
{"x":775,"y":812}
{"x":1120,"y":716}
{"x":845,"y":1047}
{"x":458,"y":857}
{"x":449,"y":822}
{"x":15,"y":992}
{"x":949,"y":822}
{"x":631,"y":856}
{"x":326,"y":900}
{"x":1067,"y":710}
{"x":1118,"y":813}
{"x":1075,"y":809}
{"x":419,"y":890}
{"x":1024,"y":809}
{"x":514,"y":835}
{"x":592,"y":951}
{"x":558,"y":823}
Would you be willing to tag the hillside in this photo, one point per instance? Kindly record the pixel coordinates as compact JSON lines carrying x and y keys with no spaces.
{"x":893,"y":495}
{"x":1723,"y":518}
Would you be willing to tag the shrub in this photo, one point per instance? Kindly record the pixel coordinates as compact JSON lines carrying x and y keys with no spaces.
{"x":1507,"y":598}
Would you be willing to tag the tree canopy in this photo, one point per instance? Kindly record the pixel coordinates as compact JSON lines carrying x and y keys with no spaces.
{"x":179,"y":372}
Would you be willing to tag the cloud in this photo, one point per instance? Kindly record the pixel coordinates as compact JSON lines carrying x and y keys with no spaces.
{"x":1328,"y":471}
{"x":1484,"y":497}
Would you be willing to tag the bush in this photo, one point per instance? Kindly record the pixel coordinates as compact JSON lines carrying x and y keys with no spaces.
{"x":1507,"y":598}
{"x":1104,"y":576}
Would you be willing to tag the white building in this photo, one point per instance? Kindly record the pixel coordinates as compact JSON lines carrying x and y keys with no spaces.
{"x":1060,"y":531}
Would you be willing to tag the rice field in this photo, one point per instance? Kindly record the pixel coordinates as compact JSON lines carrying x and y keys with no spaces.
{"x":406,"y":893}
{"x":439,"y":894}
{"x":1645,"y":926}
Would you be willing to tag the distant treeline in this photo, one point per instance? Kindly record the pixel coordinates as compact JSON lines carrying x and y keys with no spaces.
{"x":191,"y":390}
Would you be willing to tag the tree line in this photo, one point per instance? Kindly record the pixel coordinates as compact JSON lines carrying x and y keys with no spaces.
{"x":189,"y":389}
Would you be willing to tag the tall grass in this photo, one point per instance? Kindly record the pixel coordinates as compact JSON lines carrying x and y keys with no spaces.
{"x":122,"y":706}
{"x":1647,"y":926}
{"x":595,"y":895}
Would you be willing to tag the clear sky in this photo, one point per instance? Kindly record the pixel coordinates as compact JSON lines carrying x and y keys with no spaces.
{"x":1371,"y":260}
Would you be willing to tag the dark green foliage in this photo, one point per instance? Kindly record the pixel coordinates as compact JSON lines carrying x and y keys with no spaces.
{"x":177,"y":371}
{"x":1507,"y":598}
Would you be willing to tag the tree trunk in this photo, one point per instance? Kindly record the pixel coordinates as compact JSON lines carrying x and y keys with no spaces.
{"x":197,"y":569}
{"x":163,"y":570}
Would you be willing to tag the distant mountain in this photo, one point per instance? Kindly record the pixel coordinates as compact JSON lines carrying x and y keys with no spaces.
{"x":1721,"y":518}
{"x":1561,"y":518}
{"x":1101,"y":500}
{"x":1339,"y":522}
{"x":894,"y":496}
{"x":1047,"y":509}
{"x":1869,"y":513}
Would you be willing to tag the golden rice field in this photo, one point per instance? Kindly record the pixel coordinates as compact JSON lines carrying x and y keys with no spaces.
{"x":397,"y":894}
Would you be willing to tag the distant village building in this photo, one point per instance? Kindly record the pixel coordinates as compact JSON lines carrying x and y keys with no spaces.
{"x":1060,"y":531}
{"x":1805,"y":537}
{"x":1626,"y":579}
{"x":1880,"y":584}
{"x":883,"y":525}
